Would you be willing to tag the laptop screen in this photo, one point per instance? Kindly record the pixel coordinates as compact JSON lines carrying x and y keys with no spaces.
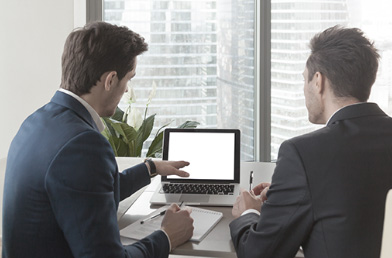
{"x":214,"y":154}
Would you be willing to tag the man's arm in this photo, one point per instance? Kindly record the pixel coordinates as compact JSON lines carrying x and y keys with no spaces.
{"x":286,"y":216}
{"x":81,"y":187}
{"x":132,"y":179}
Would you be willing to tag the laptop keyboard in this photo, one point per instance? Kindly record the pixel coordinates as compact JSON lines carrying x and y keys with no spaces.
{"x":218,"y":189}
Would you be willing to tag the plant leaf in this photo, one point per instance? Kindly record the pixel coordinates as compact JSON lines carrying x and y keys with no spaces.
{"x":106,"y":133}
{"x":108,"y":126}
{"x":121,"y":148}
{"x":127,"y":142}
{"x":128,"y":136}
{"x":160,"y":129}
{"x":143,"y":133}
{"x":156,"y":146}
{"x":189,"y":124}
{"x":118,"y":115}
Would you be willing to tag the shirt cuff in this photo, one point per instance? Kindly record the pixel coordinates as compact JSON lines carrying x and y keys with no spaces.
{"x":168,"y":239}
{"x":251,"y":211}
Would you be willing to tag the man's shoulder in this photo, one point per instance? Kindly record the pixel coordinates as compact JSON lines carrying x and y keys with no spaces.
{"x":313,"y":143}
{"x":59,"y":116}
{"x":57,"y":126}
{"x":324,"y":132}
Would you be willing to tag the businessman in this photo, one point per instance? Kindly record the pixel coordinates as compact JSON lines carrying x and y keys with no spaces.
{"x":62,"y":185}
{"x":329,"y":187}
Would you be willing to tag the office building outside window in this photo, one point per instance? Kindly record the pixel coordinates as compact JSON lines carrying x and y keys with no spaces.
{"x":202,"y":59}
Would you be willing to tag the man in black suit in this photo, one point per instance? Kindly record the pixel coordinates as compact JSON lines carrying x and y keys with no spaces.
{"x":329,"y":187}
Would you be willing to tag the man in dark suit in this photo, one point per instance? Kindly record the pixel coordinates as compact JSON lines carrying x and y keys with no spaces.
{"x":62,"y":185}
{"x":329,"y":187}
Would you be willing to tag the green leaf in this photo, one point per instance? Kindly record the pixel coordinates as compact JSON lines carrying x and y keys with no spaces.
{"x":108,"y":126}
{"x":189,"y":124}
{"x":160,"y":129}
{"x":155,"y":149}
{"x":120,"y":129}
{"x":127,"y":142}
{"x":121,"y":148}
{"x":128,"y":135}
{"x":156,"y":146}
{"x":118,"y":115}
{"x":106,"y":133}
{"x":143,"y":133}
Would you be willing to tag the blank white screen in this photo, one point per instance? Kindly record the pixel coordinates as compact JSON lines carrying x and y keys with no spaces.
{"x":211,"y":155}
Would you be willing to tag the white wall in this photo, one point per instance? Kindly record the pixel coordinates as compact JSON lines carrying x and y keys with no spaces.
{"x":32,"y":36}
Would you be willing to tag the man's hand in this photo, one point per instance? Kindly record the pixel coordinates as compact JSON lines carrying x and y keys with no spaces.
{"x":178,"y":225}
{"x":245,"y":201}
{"x":261,"y":190}
{"x":165,"y":168}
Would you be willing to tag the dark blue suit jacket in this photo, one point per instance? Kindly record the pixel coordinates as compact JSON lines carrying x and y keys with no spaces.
{"x":62,"y":189}
{"x":328,"y":192}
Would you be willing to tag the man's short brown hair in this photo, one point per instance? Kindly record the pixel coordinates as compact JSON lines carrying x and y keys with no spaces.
{"x":97,"y":48}
{"x":347,"y":58}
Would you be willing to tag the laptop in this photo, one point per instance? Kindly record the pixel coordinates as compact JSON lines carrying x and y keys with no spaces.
{"x":214,"y":156}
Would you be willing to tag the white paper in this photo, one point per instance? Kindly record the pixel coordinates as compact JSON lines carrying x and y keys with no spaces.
{"x":204,"y":222}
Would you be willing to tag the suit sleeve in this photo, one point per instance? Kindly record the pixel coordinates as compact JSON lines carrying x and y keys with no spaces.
{"x":286,"y":217}
{"x":132,"y":179}
{"x":80,"y":184}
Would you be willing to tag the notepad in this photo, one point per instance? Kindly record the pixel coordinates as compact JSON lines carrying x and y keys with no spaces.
{"x":203,"y":222}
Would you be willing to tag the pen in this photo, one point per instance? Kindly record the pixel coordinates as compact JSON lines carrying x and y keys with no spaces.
{"x":157,"y":215}
{"x":250,"y":180}
{"x":153,"y":217}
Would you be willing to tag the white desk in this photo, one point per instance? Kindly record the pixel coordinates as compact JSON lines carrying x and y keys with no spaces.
{"x":218,"y":242}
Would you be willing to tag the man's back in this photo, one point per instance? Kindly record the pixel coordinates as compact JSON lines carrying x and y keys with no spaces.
{"x":28,"y":216}
{"x":348,"y":166}
{"x":328,"y":191}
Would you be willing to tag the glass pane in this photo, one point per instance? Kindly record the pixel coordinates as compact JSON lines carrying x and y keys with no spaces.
{"x":293,"y":23}
{"x":200,"y":58}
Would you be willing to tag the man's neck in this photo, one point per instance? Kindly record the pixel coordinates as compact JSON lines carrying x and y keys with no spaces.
{"x":337,"y":105}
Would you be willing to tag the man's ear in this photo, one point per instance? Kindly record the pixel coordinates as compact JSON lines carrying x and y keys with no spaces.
{"x":110,"y":80}
{"x":320,"y":86}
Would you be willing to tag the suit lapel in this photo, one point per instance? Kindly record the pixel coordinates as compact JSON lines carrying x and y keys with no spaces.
{"x":68,"y":101}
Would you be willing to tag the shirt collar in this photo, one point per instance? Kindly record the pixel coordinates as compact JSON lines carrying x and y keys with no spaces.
{"x":89,"y":108}
{"x":343,"y":108}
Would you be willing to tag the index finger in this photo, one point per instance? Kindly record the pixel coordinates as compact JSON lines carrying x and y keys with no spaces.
{"x":187,"y":209}
{"x":174,"y":207}
{"x":180,"y":164}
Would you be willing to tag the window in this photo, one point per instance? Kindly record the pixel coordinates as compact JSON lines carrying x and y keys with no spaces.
{"x":203,"y":60}
{"x":200,"y":59}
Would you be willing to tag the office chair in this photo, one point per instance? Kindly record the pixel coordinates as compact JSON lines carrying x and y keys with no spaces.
{"x":386,"y":247}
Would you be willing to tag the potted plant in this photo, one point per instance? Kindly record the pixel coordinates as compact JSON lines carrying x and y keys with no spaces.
{"x":127,"y":130}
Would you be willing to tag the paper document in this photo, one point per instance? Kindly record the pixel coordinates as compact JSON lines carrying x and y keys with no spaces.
{"x":125,"y":204}
{"x":203,"y":222}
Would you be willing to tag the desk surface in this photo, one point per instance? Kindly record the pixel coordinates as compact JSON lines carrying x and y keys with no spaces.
{"x":218,"y":242}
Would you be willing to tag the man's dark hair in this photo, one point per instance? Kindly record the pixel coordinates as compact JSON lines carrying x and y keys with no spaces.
{"x":347,"y":58}
{"x":97,"y":48}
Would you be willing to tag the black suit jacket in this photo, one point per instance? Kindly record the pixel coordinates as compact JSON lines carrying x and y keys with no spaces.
{"x":62,"y":189}
{"x":328,"y":191}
